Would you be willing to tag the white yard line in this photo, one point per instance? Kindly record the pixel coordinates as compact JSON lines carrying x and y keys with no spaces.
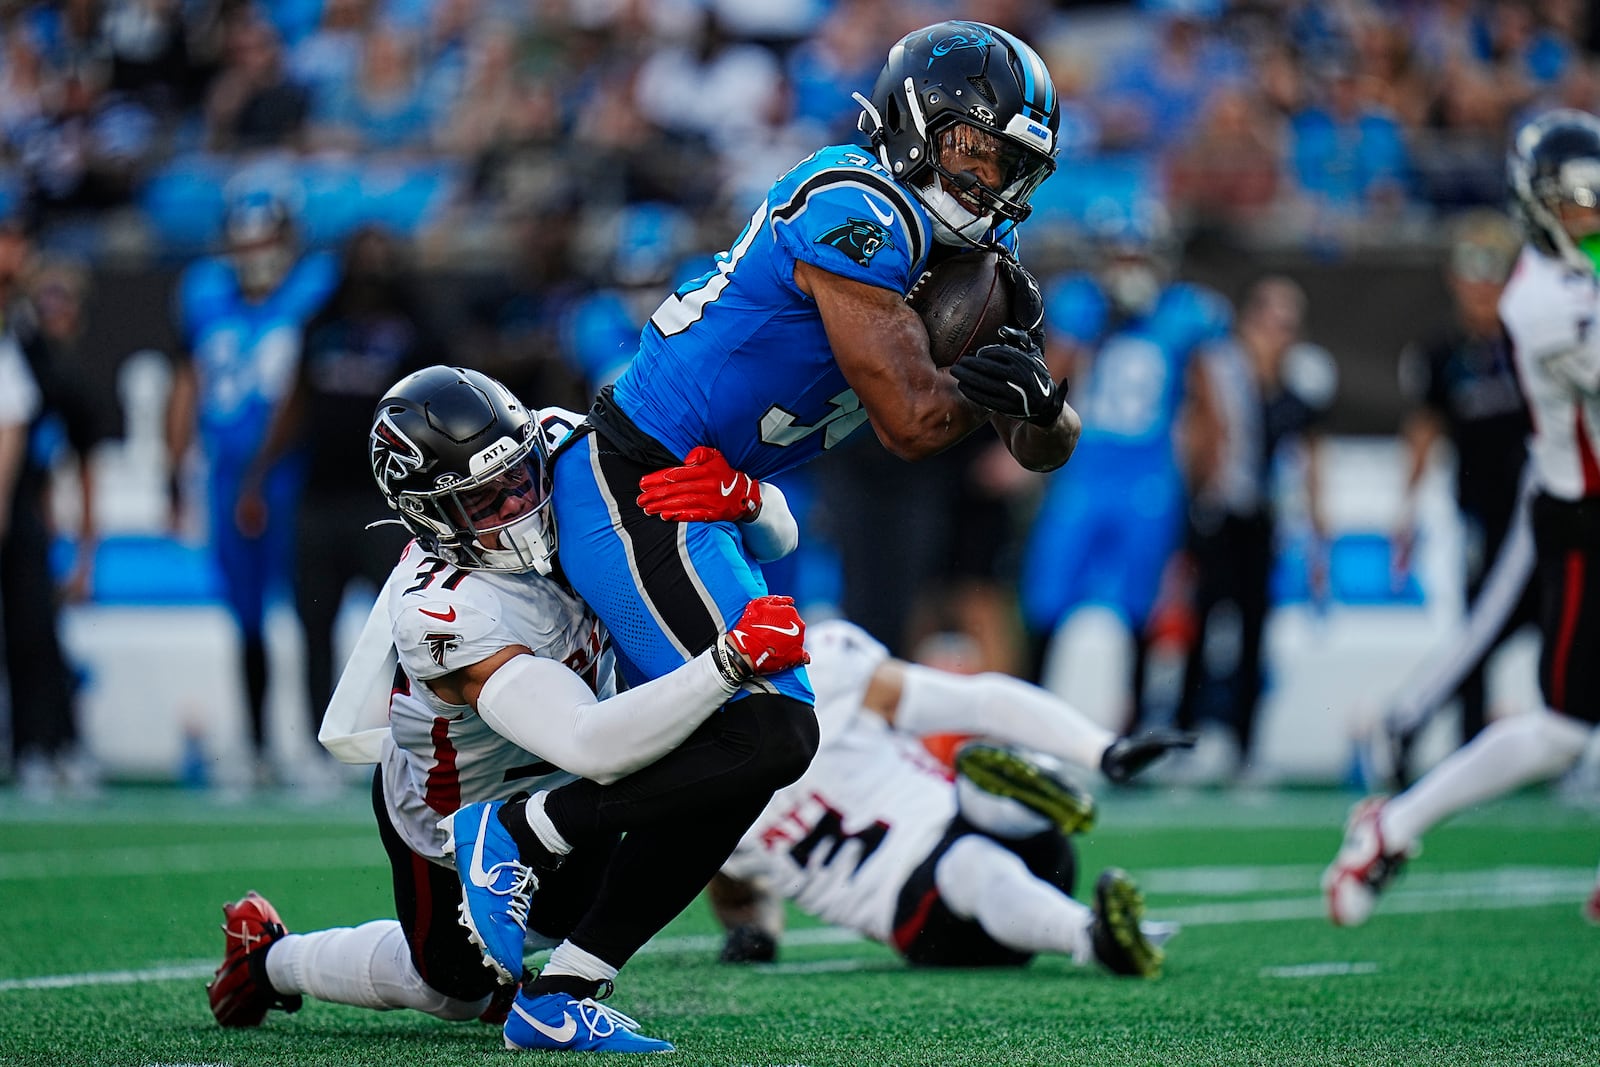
{"x":1493,"y":890}
{"x":303,"y":853}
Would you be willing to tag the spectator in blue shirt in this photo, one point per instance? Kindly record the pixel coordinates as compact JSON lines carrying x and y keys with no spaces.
{"x":1347,"y":156}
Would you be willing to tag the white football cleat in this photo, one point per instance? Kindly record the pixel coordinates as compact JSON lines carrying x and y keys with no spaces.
{"x":1366,"y":863}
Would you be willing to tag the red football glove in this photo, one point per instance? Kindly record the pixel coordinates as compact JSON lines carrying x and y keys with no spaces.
{"x":770,"y":635}
{"x":704,"y":489}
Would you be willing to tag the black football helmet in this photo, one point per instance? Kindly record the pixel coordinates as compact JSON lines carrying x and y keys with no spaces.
{"x":462,"y":461}
{"x":970,"y":74}
{"x":1555,"y":159}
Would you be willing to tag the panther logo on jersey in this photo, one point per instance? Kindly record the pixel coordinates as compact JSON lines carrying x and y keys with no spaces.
{"x":395,"y":457}
{"x":858,"y":239}
{"x":440,"y":645}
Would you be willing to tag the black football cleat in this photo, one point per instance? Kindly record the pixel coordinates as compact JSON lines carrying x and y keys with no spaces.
{"x":749,"y":943}
{"x":1119,"y":940}
{"x":1029,"y":780}
{"x":1127,"y":756}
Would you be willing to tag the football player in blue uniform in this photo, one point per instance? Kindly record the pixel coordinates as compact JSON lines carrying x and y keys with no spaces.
{"x":1108,"y":525}
{"x":799,"y":335}
{"x":240,"y":317}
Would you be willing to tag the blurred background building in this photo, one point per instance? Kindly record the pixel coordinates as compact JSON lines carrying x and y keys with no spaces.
{"x":552,"y":168}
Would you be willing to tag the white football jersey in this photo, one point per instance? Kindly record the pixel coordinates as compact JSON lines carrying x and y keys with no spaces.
{"x":1550,"y":310}
{"x":843,"y":840}
{"x":439,"y":756}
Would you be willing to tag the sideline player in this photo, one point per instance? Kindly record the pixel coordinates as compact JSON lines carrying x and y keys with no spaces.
{"x":1109,"y":523}
{"x":1549,"y":308}
{"x":505,"y":683}
{"x":974,"y":871}
{"x":240,"y":317}
{"x":799,"y":335}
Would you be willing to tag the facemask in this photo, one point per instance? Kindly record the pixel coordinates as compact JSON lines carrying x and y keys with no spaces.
{"x":261,"y":269}
{"x":953,"y":224}
{"x":1133,"y":287}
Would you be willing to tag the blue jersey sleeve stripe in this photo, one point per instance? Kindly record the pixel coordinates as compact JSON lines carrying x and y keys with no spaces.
{"x":860,"y":176}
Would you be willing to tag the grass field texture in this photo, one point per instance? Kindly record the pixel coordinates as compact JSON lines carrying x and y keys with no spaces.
{"x":108,"y":931}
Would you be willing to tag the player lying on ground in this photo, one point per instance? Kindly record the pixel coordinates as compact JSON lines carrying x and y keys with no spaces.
{"x":1549,"y":308}
{"x":977,"y":871}
{"x":505,"y":684}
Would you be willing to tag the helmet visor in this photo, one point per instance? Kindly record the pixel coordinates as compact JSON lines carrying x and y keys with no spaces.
{"x":492,"y":502}
{"x":991,"y":174}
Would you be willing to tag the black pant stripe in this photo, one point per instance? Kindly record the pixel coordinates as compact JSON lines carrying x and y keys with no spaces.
{"x":673,"y":593}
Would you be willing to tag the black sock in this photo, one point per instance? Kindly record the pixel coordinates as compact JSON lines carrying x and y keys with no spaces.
{"x":513,"y":816}
{"x":570,"y":984}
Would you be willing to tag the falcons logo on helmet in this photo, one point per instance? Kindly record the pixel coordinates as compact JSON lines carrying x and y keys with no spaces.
{"x":395,"y":457}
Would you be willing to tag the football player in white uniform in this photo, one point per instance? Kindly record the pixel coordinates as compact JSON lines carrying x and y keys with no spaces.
{"x":972,"y":868}
{"x":505,"y":684}
{"x":1549,"y":308}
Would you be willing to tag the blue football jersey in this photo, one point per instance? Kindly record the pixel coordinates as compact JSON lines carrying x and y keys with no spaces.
{"x":1136,"y":379}
{"x":738,"y":358}
{"x":245,"y":353}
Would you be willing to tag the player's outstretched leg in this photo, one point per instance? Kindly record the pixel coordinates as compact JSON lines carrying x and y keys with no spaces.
{"x":496,"y":886}
{"x":1366,"y":863}
{"x":559,"y":1022}
{"x":239,"y":992}
{"x":1030,"y":779}
{"x":1119,"y":939}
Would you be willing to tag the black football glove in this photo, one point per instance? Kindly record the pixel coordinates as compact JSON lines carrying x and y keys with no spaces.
{"x":1127,"y":756}
{"x":1011,"y":378}
{"x":1027,"y":302}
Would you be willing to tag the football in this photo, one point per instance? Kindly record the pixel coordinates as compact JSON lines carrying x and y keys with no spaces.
{"x":963,"y":301}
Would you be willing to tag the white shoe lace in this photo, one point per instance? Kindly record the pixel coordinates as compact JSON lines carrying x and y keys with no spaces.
{"x":523,"y":883}
{"x":601,"y":1020}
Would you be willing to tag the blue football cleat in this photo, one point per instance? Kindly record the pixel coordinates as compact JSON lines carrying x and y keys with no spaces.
{"x":496,"y":886}
{"x":557,"y":1022}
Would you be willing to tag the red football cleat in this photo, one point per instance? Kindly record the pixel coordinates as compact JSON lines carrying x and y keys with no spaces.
{"x":1591,"y":907}
{"x":240,"y":993}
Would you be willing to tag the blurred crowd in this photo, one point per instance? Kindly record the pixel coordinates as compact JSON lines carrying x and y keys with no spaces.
{"x":583,"y":158}
{"x":1312,"y":122}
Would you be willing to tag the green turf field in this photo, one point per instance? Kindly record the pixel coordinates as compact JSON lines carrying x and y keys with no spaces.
{"x":109,"y":930}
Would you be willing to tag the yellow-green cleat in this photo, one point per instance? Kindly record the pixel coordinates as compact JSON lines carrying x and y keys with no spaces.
{"x":1029,"y":780}
{"x":1119,"y":940}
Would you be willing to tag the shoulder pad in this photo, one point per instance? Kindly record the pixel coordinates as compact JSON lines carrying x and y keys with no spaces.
{"x":843,"y":659}
{"x":555,"y":425}
{"x":840,"y":211}
{"x":440,"y":630}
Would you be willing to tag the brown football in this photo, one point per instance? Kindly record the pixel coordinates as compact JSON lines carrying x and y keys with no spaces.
{"x":963,"y":301}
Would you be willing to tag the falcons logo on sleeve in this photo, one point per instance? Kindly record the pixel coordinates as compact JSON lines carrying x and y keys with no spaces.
{"x":439,"y":645}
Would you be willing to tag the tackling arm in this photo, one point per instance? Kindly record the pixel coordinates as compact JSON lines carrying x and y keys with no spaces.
{"x":545,"y":708}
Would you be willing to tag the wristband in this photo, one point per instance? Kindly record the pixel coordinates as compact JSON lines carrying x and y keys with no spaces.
{"x":732,"y":666}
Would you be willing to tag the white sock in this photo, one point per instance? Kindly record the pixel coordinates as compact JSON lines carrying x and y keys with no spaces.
{"x":570,"y":959}
{"x":541,"y":825}
{"x":1511,"y":752}
{"x":980,"y":879}
{"x":368,"y":966}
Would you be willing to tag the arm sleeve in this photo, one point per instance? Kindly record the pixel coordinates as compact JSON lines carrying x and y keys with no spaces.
{"x":999,"y":707}
{"x":543,"y":707}
{"x":774,"y":533}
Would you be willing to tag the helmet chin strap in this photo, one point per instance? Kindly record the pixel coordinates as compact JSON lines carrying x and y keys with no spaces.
{"x":953,"y":224}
